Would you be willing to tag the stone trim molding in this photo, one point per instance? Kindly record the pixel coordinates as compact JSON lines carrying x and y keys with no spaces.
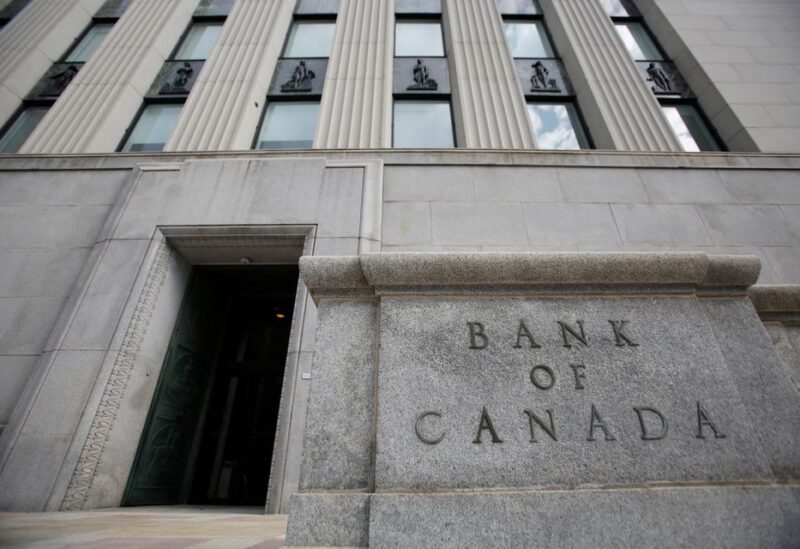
{"x":695,"y":269}
{"x":780,"y":302}
{"x":197,"y":245}
{"x":106,"y":413}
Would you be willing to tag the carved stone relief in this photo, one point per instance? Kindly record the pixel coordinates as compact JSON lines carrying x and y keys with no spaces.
{"x":177,"y":77}
{"x":55,"y":81}
{"x":543,"y":77}
{"x":429,"y":75}
{"x":304,"y":76}
{"x":664,"y":79}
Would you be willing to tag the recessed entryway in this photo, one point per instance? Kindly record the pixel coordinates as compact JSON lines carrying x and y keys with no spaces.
{"x":211,"y":427}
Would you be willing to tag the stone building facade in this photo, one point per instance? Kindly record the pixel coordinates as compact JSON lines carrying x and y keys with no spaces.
{"x":101,"y":233}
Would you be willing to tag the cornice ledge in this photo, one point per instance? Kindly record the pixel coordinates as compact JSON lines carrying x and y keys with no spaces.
{"x":696,"y":270}
{"x":776,"y":301}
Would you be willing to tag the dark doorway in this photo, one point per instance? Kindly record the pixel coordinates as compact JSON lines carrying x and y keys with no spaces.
{"x":211,"y":427}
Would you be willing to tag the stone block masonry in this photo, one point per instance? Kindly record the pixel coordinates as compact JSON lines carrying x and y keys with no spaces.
{"x":534,"y":399}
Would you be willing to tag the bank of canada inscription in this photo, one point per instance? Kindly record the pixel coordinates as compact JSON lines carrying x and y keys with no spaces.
{"x":542,"y":424}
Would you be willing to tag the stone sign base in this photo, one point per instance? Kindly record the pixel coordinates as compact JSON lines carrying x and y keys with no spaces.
{"x":516,"y":400}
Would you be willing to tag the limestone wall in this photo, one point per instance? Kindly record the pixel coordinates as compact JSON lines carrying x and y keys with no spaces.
{"x":741,"y":58}
{"x":82,"y":237}
{"x":49,"y":222}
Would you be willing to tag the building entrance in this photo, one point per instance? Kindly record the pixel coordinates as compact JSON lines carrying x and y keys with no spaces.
{"x":210,"y":431}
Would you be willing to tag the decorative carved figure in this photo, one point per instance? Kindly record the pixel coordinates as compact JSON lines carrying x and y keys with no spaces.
{"x":422,"y":79}
{"x":178,"y":84}
{"x":541,"y":81}
{"x":658,"y":78}
{"x":182,"y":75}
{"x":300,"y":80}
{"x":61,"y":80}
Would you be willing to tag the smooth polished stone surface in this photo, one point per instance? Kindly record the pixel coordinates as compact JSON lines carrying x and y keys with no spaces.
{"x":732,"y":517}
{"x":665,"y":357}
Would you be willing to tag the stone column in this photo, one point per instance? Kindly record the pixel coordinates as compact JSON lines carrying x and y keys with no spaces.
{"x":621,"y":111}
{"x":356,"y":108}
{"x":226,"y":102}
{"x":37,"y":37}
{"x":94,"y":111}
{"x":489,"y":107}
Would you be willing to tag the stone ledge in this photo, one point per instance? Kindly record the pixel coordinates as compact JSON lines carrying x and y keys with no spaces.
{"x":779,"y":302}
{"x":666,"y":517}
{"x":392,"y":270}
{"x":777,"y":298}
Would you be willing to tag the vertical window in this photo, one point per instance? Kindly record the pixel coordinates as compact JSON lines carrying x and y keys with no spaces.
{"x":690,"y":128}
{"x":422,"y":113}
{"x":153,"y":128}
{"x":164,"y":101}
{"x":528,"y":39}
{"x":84,"y":49}
{"x":418,"y":39}
{"x":638,"y":41}
{"x":22,"y":126}
{"x":557,"y":126}
{"x":11,"y":10}
{"x":662,"y":77}
{"x":310,"y":39}
{"x":199,"y":41}
{"x":615,"y":8}
{"x":289,"y":125}
{"x":423,"y":124}
{"x":552,"y":105}
{"x":55,"y":81}
{"x":289,"y":120}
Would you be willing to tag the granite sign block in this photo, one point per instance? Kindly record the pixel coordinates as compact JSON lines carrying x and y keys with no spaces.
{"x":552,"y":399}
{"x":526,"y":392}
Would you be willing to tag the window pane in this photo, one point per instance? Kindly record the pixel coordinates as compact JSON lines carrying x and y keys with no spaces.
{"x":422,"y":124}
{"x":289,"y":125}
{"x":310,"y":40}
{"x":418,"y":39}
{"x":528,"y":39}
{"x":517,"y":7}
{"x":199,"y":41}
{"x":639,"y":44}
{"x":690,"y":128}
{"x":614,"y":8}
{"x":153,"y":128}
{"x":89,"y":43}
{"x":21,"y":129}
{"x":557,"y":126}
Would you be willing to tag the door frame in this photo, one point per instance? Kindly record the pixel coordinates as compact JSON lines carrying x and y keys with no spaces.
{"x":122,"y":403}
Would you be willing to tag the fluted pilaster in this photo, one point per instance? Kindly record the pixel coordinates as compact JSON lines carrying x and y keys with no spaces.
{"x":356,"y":109}
{"x":38,"y":36}
{"x":225,"y":105}
{"x":621,"y":111}
{"x":94,"y":111}
{"x":489,"y":105}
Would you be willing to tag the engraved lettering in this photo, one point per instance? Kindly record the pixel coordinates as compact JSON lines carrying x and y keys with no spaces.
{"x":597,"y":421}
{"x":420,"y":435}
{"x":523,"y":331}
{"x":619,"y":334}
{"x":486,"y":425}
{"x":549,"y":429}
{"x":477,"y":336}
{"x":646,"y":434}
{"x":537,"y":379}
{"x":703,"y":420}
{"x":579,"y":335}
{"x":580,"y":375}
